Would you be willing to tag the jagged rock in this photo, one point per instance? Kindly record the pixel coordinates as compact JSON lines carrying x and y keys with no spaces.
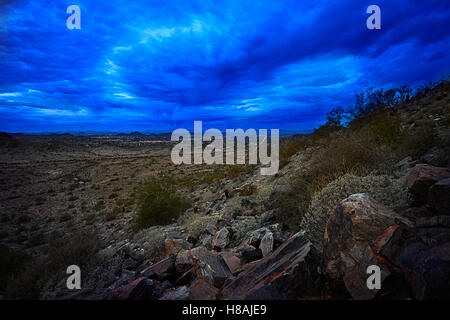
{"x":249,"y":253}
{"x":439,"y":197}
{"x":202,"y":290}
{"x":266,"y":244}
{"x":212,"y":264}
{"x":173,"y":245}
{"x":355,"y":235}
{"x":422,"y":177}
{"x":181,"y":293}
{"x":233,"y":262}
{"x":160,"y":270}
{"x":256,"y":236}
{"x":221,"y":239}
{"x":291,"y":271}
{"x":183,"y":261}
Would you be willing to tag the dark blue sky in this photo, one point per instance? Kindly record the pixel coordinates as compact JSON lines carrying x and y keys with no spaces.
{"x":160,"y":65}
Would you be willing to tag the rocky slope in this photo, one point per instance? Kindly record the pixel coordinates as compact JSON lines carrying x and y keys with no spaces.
{"x":232,"y":246}
{"x":308,"y":232}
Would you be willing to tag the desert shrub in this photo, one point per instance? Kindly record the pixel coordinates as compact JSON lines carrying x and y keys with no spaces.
{"x":27,"y":283}
{"x":418,"y":140}
{"x":159,"y":203}
{"x":12,"y":262}
{"x":383,"y":188}
{"x":78,"y":248}
{"x":111,"y":215}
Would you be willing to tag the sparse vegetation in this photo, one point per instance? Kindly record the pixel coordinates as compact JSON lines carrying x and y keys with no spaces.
{"x":159,"y":203}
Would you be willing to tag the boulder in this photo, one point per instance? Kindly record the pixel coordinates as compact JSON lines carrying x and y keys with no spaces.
{"x":266,"y":244}
{"x":255,"y":237}
{"x":221,"y":239}
{"x":232,"y":261}
{"x":212,"y":264}
{"x":356,"y":234}
{"x":173,"y":245}
{"x":439,"y":197}
{"x":183,"y":261}
{"x":422,"y":177}
{"x":202,"y":290}
{"x":291,"y":271}
{"x":160,"y":270}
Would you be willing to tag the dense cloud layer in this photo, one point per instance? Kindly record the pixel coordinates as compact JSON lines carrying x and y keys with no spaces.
{"x":158,"y":65}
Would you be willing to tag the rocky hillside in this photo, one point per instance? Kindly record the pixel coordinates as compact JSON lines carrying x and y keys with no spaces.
{"x":375,"y":192}
{"x":236,"y":243}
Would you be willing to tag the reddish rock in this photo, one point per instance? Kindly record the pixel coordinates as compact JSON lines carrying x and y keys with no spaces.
{"x":422,"y":177}
{"x":202,"y":290}
{"x":173,"y":246}
{"x":291,"y":271}
{"x":184,"y":261}
{"x":160,"y":270}
{"x":356,"y":234}
{"x":233,"y":262}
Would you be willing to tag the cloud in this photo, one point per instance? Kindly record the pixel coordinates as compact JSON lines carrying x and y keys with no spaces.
{"x":164,"y":64}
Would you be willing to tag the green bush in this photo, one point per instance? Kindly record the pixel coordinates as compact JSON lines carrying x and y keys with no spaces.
{"x":159,"y":203}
